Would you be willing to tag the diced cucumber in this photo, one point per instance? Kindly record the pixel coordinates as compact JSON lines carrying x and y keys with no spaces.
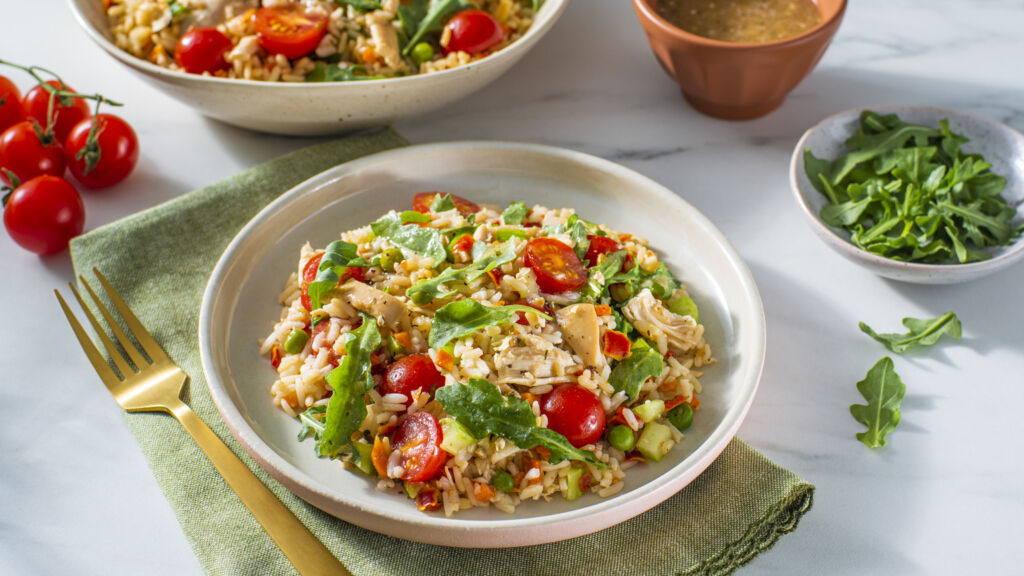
{"x":683,"y":305}
{"x":650,"y":411}
{"x":655,"y":441}
{"x":412,"y":488}
{"x":364,"y":460}
{"x":456,"y":437}
{"x":573,"y":481}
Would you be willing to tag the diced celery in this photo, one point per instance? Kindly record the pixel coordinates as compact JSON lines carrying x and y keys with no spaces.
{"x":655,"y":441}
{"x":650,"y":411}
{"x":573,"y":480}
{"x":683,"y":305}
{"x":456,"y":437}
{"x":364,"y":461}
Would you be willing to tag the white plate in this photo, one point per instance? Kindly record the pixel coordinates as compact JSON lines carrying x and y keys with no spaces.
{"x":240,"y":306}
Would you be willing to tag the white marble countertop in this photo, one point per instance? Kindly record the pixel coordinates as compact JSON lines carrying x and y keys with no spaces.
{"x":945,"y":496}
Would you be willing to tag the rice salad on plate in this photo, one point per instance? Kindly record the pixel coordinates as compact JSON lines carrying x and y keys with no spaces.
{"x":472,"y":355}
{"x":314,"y":40}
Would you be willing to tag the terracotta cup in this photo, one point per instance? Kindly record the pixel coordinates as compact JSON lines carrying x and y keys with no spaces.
{"x":737,"y":81}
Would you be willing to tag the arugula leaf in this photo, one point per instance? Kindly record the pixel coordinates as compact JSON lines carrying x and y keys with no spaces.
{"x":346,"y":409}
{"x":923,"y":332}
{"x":442,"y":203}
{"x":428,"y":289}
{"x":425,"y":241}
{"x":177,"y":10}
{"x":323,"y":73}
{"x":463,"y":317}
{"x":360,"y":5}
{"x":434,"y":19}
{"x":632,"y":371}
{"x":410,"y":14}
{"x":414,"y":217}
{"x":339,"y":255}
{"x":578,"y":234}
{"x":884,"y":391}
{"x":599,"y":276}
{"x":514,"y":214}
{"x":483,"y":410}
{"x":312,"y":423}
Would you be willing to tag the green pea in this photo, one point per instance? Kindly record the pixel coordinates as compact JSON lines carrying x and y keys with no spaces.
{"x":620,"y":292}
{"x":621,"y":437}
{"x":296,"y":341}
{"x":422,"y":52}
{"x":681,"y":416}
{"x":391,"y":258}
{"x":503,"y":481}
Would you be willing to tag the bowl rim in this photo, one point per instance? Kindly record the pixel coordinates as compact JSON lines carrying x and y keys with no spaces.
{"x":643,"y":7}
{"x":1011,"y":254}
{"x":500,"y":533}
{"x":537,"y":29}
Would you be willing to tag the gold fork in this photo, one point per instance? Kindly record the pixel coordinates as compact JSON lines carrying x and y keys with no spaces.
{"x":153,"y":384}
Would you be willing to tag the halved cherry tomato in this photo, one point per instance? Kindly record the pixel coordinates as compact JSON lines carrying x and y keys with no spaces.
{"x":309,"y":272}
{"x":422,"y":201}
{"x":600,"y":245}
{"x":418,"y":440}
{"x":202,"y":50}
{"x":574,"y":412}
{"x":289,"y":29}
{"x":555,"y":264}
{"x":415,"y":372}
{"x":463,"y":243}
{"x":27,"y":154}
{"x":11,"y":110}
{"x":43,"y":214}
{"x":616,"y":344}
{"x":118,"y":151}
{"x":473,"y":31}
{"x":37,"y":103}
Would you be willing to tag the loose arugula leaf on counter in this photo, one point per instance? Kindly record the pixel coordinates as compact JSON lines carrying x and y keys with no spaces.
{"x":483,"y":410}
{"x":434,"y":19}
{"x":884,"y":391}
{"x":323,"y":73}
{"x":339,"y":255}
{"x":425,"y":241}
{"x":923,"y":332}
{"x":514,"y":214}
{"x":349,"y":381}
{"x":463,"y":317}
{"x":642,"y":363}
{"x":489,"y":258}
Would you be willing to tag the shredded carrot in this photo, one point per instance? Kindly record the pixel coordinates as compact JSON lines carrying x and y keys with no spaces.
{"x":694,"y":402}
{"x":624,"y":237}
{"x":483,"y":491}
{"x":603,"y":309}
{"x":667,"y":385}
{"x":379,"y":455}
{"x":275,"y":356}
{"x":635,"y":457}
{"x":369,"y":55}
{"x":675,"y":402}
{"x":540,"y":477}
{"x":404,"y":339}
{"x":495,"y":276}
{"x":445,"y":360}
{"x":529,"y":397}
{"x":543,"y":452}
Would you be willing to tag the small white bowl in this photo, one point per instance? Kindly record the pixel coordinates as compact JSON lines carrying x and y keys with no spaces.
{"x":1001,"y":146}
{"x":313,"y":109}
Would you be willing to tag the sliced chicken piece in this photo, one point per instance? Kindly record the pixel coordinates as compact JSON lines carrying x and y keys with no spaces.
{"x":381,"y":305}
{"x":385,"y":39}
{"x":529,"y":360}
{"x":582,"y":331}
{"x":664,"y":327}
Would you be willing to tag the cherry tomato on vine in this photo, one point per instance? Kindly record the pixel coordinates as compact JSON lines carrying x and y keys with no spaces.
{"x":44,"y":214}
{"x":574,"y":412}
{"x":290,"y":30}
{"x":415,"y":372}
{"x":116,"y":145}
{"x":418,"y":439}
{"x":202,"y":50}
{"x":473,"y":31}
{"x":27,"y":154}
{"x":11,"y":110}
{"x":555,"y":264}
{"x":423,"y":201}
{"x":37,"y":102}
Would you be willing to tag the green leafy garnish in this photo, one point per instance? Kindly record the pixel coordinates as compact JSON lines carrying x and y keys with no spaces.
{"x":642,"y":363}
{"x":884,"y":391}
{"x":312,"y":421}
{"x":442,"y":203}
{"x":433,"y":20}
{"x":463,"y":317}
{"x":483,"y":410}
{"x":428,"y":289}
{"x":360,"y":5}
{"x":339,"y":255}
{"x":177,"y":10}
{"x":410,"y":14}
{"x":907,"y":192}
{"x":599,"y":276}
{"x":323,"y":73}
{"x":514,"y":214}
{"x":414,"y":217}
{"x":578,"y":231}
{"x":923,"y":332}
{"x":349,"y":381}
{"x":425,"y":241}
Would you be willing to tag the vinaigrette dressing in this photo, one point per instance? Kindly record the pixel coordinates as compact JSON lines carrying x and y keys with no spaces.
{"x":742,"y":21}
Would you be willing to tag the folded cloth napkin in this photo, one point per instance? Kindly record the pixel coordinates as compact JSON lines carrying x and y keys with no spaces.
{"x":160,"y":261}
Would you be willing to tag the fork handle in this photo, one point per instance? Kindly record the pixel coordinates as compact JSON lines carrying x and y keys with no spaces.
{"x":309,"y":556}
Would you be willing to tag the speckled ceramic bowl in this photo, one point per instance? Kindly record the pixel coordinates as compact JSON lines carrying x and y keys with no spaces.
{"x":1001,"y":146}
{"x":322,"y":108}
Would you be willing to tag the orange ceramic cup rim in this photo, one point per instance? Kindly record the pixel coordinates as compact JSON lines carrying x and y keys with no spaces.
{"x":668,"y":28}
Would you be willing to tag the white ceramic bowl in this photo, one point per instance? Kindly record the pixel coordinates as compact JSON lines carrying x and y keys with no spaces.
{"x":240,"y":306}
{"x":318,"y":108}
{"x":1002,"y":146}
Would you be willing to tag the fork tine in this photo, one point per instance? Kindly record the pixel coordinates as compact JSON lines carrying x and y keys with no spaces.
{"x":122,"y":338}
{"x":149,"y":345}
{"x":122,"y":366}
{"x":102,"y":368}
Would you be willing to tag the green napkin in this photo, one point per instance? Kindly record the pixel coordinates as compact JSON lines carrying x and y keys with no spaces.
{"x":160,"y":260}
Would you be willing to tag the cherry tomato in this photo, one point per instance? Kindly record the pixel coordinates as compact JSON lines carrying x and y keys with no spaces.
{"x":422,"y":202}
{"x":310,"y":271}
{"x":473,"y":31}
{"x":37,"y":102}
{"x":574,"y":412}
{"x":11,"y":110}
{"x":555,"y":264}
{"x":202,"y":50}
{"x":43,"y":214}
{"x":418,"y":440}
{"x":289,"y":29}
{"x":118,"y":151}
{"x":600,"y":245}
{"x":415,"y":372}
{"x":24,"y":153}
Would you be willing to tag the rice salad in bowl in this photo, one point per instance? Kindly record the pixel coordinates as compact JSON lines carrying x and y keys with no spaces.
{"x":472,"y":355}
{"x":314,"y":40}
